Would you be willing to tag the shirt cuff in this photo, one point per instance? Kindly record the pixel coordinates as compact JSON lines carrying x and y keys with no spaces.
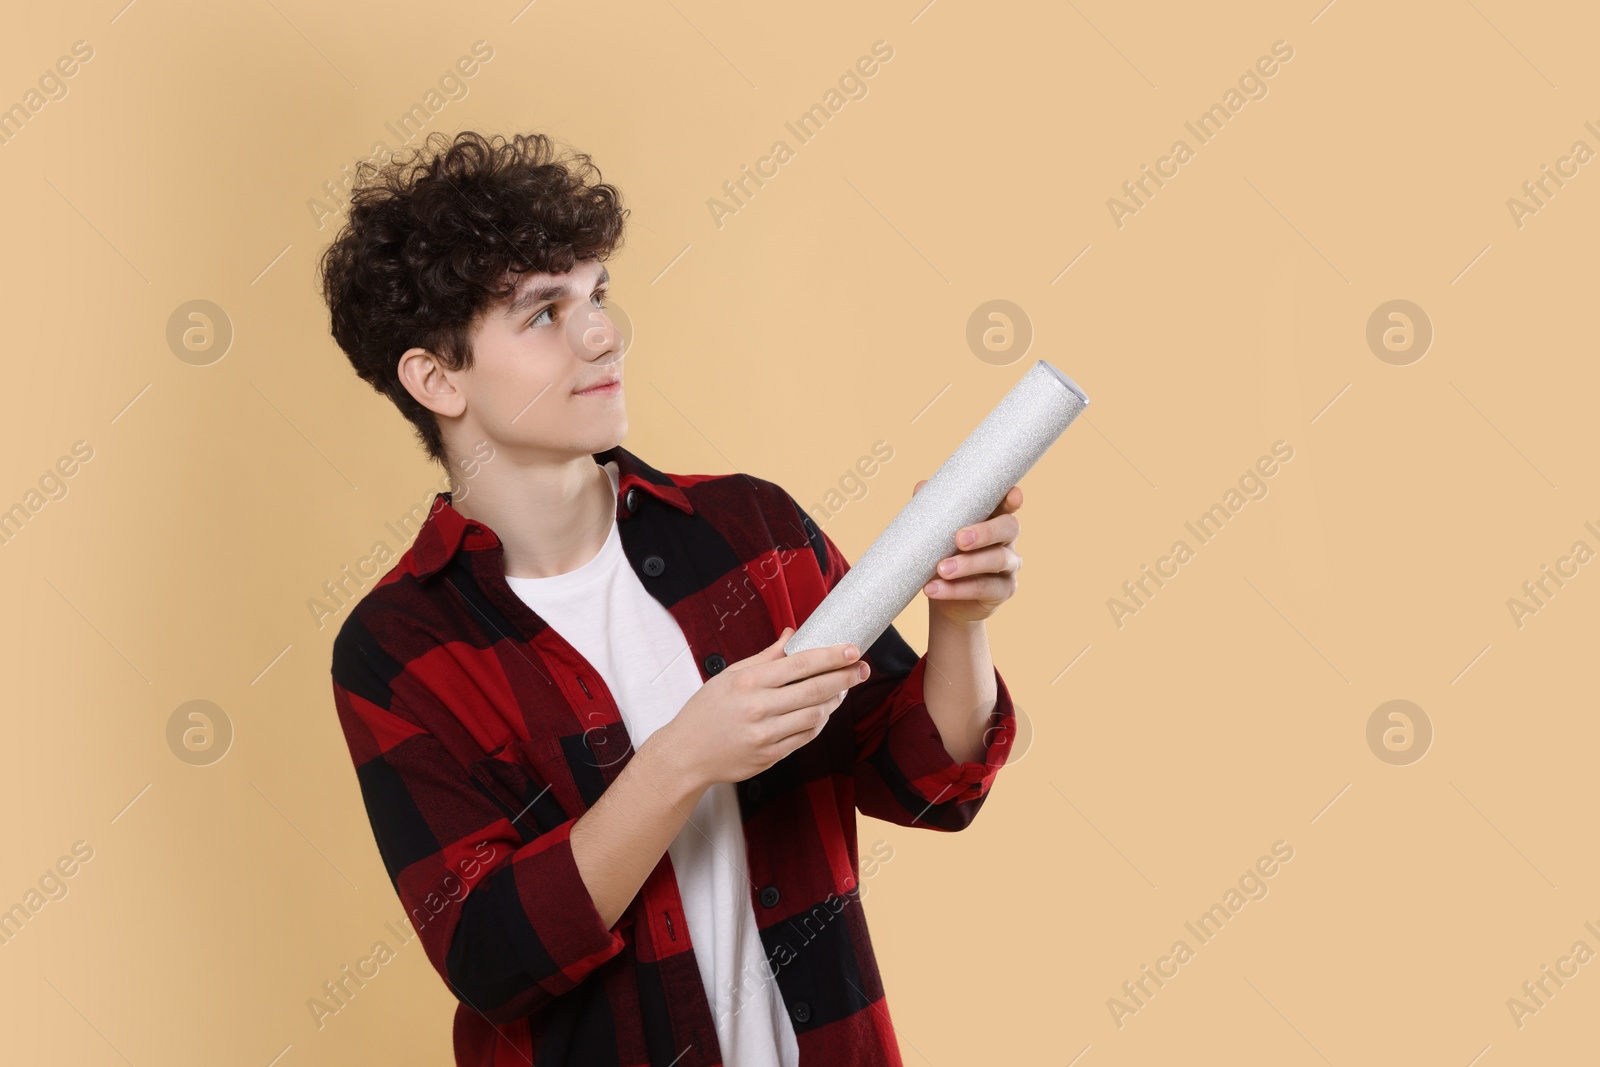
{"x":568,"y":933}
{"x":917,"y":750}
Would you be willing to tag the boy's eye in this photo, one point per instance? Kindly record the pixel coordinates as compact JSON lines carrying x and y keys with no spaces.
{"x":546,"y":314}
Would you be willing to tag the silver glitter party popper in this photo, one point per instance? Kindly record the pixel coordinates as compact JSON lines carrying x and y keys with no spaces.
{"x":965,"y":489}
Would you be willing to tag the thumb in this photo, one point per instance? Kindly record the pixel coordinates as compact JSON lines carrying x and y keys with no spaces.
{"x":772,"y":652}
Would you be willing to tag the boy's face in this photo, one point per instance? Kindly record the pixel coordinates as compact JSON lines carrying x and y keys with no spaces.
{"x":532,"y":355}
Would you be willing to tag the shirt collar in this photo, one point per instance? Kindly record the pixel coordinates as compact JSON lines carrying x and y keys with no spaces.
{"x":446,"y":530}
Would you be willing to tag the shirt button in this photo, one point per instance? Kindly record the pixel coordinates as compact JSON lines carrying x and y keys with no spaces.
{"x":654,"y":565}
{"x":630,"y":500}
{"x":801,"y":1011}
{"x":714,"y":663}
{"x":769,"y":896}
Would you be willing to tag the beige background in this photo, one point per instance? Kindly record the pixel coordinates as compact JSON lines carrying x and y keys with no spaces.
{"x":828,"y":313}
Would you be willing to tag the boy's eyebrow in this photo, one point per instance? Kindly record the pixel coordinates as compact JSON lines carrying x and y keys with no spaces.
{"x":539,"y":294}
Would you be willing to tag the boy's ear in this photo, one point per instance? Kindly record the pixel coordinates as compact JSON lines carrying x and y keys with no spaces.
{"x":425,"y":378}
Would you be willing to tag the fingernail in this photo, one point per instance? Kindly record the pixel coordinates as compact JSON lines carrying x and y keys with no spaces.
{"x":862,"y":673}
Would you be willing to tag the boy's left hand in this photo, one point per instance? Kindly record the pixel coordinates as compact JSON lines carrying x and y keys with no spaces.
{"x":969,"y":586}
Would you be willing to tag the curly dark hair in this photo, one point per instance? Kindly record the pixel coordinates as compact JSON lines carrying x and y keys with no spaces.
{"x":430,"y":239}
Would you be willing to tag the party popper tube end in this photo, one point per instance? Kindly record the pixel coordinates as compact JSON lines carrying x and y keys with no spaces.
{"x":965,"y":489}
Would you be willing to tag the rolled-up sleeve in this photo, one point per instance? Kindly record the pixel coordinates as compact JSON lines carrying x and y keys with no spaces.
{"x":529,"y":932}
{"x":905,"y":775}
{"x":501,"y":909}
{"x":903,"y":772}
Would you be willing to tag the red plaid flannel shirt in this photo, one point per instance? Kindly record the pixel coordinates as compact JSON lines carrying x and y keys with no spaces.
{"x":479,"y":736}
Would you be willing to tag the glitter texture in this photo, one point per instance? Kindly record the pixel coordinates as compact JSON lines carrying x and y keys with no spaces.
{"x":965,"y":489}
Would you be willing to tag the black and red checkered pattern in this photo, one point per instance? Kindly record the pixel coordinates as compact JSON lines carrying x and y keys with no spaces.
{"x":479,"y":736}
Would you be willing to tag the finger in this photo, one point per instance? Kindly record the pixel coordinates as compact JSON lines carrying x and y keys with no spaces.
{"x":996,"y":559}
{"x":795,"y":728}
{"x":999,"y":530}
{"x":980,"y":587}
{"x":812,"y":663}
{"x":806,"y":664}
{"x":813,"y":690}
{"x":821,"y":687}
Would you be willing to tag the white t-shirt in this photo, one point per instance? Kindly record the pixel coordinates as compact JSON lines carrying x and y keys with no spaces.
{"x":604,"y":611}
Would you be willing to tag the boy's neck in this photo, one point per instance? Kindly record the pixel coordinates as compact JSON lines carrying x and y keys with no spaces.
{"x":551,"y":519}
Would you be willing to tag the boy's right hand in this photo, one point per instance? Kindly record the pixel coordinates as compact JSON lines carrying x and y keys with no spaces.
{"x":758,"y":710}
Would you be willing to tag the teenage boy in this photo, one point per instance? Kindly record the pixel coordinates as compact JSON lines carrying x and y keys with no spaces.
{"x":620,"y":818}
